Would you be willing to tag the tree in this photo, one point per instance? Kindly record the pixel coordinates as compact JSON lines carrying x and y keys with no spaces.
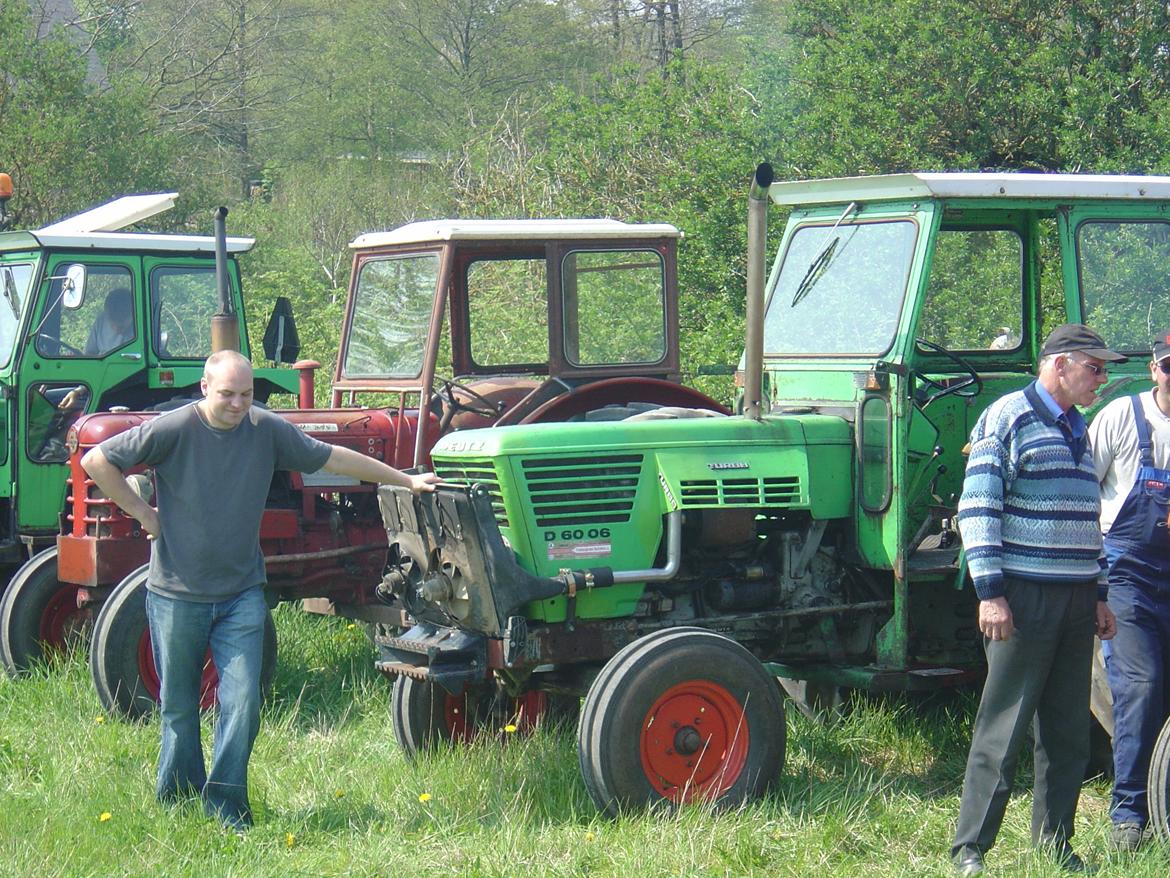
{"x":69,"y":143}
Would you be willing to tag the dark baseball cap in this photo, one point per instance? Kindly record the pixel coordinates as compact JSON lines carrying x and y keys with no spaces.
{"x":1162,"y":347}
{"x":1070,"y":337}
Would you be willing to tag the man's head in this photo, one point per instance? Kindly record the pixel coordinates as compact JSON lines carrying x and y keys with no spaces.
{"x":1160,"y":365}
{"x":118,"y":307}
{"x":1074,"y":364}
{"x":227,"y":389}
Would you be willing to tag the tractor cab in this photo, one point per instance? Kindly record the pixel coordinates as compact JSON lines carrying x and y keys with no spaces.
{"x":95,"y":318}
{"x":515,"y":321}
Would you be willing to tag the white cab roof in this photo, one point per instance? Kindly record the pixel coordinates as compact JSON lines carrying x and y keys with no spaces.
{"x":98,"y":229}
{"x":139,"y":241}
{"x":435,"y":231}
{"x":1051,"y":187}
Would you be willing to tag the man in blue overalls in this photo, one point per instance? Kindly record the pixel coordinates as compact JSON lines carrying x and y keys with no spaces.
{"x":1131,"y":449}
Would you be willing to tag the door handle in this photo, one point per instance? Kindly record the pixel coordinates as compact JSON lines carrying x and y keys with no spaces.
{"x":130,"y":355}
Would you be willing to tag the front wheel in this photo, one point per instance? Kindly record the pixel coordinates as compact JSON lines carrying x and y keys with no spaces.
{"x":39,"y":615}
{"x":1158,"y":784}
{"x":121,"y":658}
{"x":679,"y":716}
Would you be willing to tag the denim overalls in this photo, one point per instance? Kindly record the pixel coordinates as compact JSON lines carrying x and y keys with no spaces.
{"x":1137,"y":659}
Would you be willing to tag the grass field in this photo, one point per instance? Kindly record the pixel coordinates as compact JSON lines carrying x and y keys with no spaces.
{"x":874,"y":795}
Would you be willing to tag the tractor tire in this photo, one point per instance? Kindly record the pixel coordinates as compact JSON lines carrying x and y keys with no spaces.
{"x":1158,"y":785}
{"x":39,"y":616}
{"x":679,"y":716}
{"x":426,"y":716}
{"x":121,"y":659}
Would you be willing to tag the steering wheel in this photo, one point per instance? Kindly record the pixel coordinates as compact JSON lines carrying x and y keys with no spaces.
{"x":966,"y":387}
{"x":61,"y":344}
{"x":476,"y":403}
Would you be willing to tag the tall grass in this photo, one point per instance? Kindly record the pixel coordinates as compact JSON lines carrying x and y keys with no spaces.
{"x":874,"y":794}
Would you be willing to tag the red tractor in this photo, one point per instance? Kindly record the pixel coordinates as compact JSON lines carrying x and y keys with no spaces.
{"x":471,"y":323}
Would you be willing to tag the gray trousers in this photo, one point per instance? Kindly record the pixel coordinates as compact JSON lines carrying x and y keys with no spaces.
{"x":1039,"y":677}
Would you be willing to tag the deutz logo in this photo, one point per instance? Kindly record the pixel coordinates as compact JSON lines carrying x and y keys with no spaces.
{"x":734,"y":464}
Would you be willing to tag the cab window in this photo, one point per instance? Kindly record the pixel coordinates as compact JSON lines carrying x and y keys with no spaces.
{"x":104,"y":322}
{"x":974,"y":297}
{"x":183,"y":300}
{"x":1123,"y":280}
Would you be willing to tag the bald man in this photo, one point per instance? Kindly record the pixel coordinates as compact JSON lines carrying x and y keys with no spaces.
{"x":213,"y":462}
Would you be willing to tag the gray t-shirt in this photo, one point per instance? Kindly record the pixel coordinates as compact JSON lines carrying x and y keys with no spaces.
{"x":211,"y":490}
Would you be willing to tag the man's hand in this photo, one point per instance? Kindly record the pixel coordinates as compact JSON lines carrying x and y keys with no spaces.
{"x":424,"y":482}
{"x":995,"y":619}
{"x":150,"y":523}
{"x":1106,"y":621}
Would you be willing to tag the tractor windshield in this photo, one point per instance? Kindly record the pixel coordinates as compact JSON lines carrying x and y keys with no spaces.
{"x":14,"y":284}
{"x":391,"y":316}
{"x":840,"y":289}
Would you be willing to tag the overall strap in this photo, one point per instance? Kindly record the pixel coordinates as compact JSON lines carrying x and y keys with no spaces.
{"x":1145,"y":446}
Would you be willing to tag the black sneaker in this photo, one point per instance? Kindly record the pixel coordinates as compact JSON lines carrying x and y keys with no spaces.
{"x":1068,"y":861}
{"x":1126,"y":837}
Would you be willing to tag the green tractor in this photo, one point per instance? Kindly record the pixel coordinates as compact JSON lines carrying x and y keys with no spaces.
{"x":95,"y":318}
{"x":673,"y":566}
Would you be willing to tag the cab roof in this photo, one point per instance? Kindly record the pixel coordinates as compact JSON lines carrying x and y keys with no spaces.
{"x":437,"y":231}
{"x":900,"y":187}
{"x":99,"y":229}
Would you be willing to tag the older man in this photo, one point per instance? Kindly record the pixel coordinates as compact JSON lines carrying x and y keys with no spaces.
{"x":1028,"y":516}
{"x":213,"y":462}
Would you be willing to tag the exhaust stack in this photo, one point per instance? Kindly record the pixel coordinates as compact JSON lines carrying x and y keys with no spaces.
{"x":225,"y":325}
{"x":757,"y":239}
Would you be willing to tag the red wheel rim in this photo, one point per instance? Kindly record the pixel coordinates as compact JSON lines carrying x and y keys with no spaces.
{"x":208,"y":685}
{"x":455,"y":711}
{"x":694,"y":742}
{"x":62,"y":620}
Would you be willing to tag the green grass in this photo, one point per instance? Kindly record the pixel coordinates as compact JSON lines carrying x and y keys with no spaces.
{"x":875,"y":794}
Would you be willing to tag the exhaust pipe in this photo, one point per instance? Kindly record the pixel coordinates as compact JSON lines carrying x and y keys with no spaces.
{"x":757,"y":239}
{"x":225,"y":325}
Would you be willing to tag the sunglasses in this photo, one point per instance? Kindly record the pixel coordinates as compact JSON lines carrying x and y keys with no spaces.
{"x":1099,"y":371}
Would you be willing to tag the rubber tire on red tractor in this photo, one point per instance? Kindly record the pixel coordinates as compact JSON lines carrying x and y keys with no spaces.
{"x":122,"y":663}
{"x":427,"y":716}
{"x":1158,"y":785}
{"x":679,"y":716}
{"x":39,"y":614}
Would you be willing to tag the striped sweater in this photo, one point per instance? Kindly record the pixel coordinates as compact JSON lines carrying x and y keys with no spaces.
{"x":1029,"y":507}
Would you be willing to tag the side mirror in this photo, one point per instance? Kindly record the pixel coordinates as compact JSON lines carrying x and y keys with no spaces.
{"x":72,"y":286}
{"x":281,"y":342}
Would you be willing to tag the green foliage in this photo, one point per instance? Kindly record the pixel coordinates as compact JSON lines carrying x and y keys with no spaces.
{"x":67,"y":143}
{"x":924,"y":84}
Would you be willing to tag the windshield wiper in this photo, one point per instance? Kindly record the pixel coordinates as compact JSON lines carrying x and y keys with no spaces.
{"x":820,"y":264}
{"x":10,"y":294}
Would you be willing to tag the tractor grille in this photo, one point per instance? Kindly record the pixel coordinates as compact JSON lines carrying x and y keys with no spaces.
{"x":583,"y":490}
{"x":772,"y":491}
{"x":475,"y":471}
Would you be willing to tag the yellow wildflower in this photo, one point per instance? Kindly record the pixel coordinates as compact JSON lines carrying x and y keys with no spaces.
{"x":99,"y":719}
{"x":339,"y":794}
{"x":510,"y":728}
{"x":424,"y":797}
{"x":106,"y":815}
{"x":589,"y":836}
{"x":290,"y":839}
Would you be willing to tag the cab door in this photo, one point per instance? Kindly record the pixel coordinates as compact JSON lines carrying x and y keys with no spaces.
{"x":79,"y":356}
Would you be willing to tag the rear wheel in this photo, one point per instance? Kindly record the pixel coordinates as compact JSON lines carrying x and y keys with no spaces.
{"x":679,"y":716}
{"x":121,"y":658}
{"x":39,"y":616}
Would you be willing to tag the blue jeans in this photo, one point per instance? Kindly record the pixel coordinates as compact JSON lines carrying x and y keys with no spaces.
{"x":1137,"y":660}
{"x":181,"y":632}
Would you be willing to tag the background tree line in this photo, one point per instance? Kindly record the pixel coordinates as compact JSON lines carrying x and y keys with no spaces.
{"x":318,"y":121}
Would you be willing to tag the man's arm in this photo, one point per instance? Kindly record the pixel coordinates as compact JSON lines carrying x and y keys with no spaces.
{"x":347,"y":462}
{"x":114,"y":485}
